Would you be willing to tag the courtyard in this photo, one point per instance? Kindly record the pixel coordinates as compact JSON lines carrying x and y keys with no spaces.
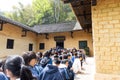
{"x":89,"y":70}
{"x":100,"y":20}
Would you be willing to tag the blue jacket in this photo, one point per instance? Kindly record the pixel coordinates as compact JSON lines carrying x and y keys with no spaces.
{"x":64,"y":73}
{"x":67,"y":74}
{"x":38,"y":68}
{"x":3,"y":76}
{"x":51,"y":72}
{"x":34,"y":72}
{"x":45,"y":61}
{"x":50,"y":61}
{"x":73,"y":58}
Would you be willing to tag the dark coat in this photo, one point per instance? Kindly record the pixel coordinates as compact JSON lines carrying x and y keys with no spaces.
{"x":70,"y":63}
{"x":51,"y":72}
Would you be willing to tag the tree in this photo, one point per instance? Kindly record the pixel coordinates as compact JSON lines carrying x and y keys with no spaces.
{"x":52,"y":11}
{"x":42,"y":12}
{"x":62,"y":13}
{"x":23,"y":14}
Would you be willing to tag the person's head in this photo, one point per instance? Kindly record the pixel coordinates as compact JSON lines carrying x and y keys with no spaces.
{"x":80,"y":51}
{"x":60,"y":57}
{"x":56,"y":53}
{"x":65,"y":61}
{"x":65,"y":56}
{"x":69,"y":56}
{"x":64,"y":52}
{"x":2,"y":65}
{"x":80,"y":57}
{"x":75,"y":54}
{"x":56,"y":62}
{"x":47,"y":53}
{"x":74,"y":50}
{"x":55,"y":57}
{"x":13,"y":66}
{"x":26,"y":74}
{"x":39,"y":54}
{"x":30,"y":58}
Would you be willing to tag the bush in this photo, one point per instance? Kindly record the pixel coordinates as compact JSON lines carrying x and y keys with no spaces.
{"x":87,"y":51}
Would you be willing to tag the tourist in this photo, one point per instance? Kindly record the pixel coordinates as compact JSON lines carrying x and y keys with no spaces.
{"x":46,"y":58}
{"x":39,"y":56}
{"x":51,"y":72}
{"x":30,"y":59}
{"x":77,"y":64}
{"x":15,"y":69}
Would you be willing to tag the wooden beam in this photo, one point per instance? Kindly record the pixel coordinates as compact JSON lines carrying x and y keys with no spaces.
{"x":69,"y":1}
{"x":87,"y":22}
{"x":66,"y":1}
{"x":87,"y":28}
{"x":24,"y":33}
{"x":82,"y":4}
{"x":46,"y":35}
{"x":71,"y":34}
{"x":37,"y":34}
{"x":1,"y":25}
{"x":77,"y":6}
{"x":85,"y":14}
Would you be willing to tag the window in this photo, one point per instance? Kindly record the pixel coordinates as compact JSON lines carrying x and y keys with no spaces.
{"x":82,"y":44}
{"x":41,"y":46}
{"x":30,"y":47}
{"x":10,"y":43}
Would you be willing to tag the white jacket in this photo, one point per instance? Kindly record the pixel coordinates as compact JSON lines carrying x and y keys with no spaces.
{"x":76,"y":65}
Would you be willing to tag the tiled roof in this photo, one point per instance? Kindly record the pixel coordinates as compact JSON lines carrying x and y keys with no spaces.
{"x":59,"y":27}
{"x":46,"y":28}
{"x":2,"y":18}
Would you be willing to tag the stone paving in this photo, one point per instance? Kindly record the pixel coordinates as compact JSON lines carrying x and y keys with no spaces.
{"x":89,"y":70}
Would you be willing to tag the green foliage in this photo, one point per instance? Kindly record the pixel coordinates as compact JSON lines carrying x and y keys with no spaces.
{"x":42,"y":12}
{"x":87,"y":51}
{"x":23,"y":14}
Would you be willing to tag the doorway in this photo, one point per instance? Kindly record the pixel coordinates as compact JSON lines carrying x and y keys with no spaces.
{"x":59,"y":41}
{"x":60,"y":44}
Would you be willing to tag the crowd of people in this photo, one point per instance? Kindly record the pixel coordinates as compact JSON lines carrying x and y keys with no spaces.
{"x":53,"y":64}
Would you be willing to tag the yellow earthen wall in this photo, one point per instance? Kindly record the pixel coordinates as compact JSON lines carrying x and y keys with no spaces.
{"x":106,"y":39}
{"x":21,"y":44}
{"x":69,"y":42}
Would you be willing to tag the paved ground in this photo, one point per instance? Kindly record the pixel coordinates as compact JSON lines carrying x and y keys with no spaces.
{"x":88,"y":73}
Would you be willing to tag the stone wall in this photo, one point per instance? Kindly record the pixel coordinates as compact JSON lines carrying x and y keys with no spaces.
{"x":106,"y":39}
{"x":21,"y":44}
{"x":69,"y":42}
